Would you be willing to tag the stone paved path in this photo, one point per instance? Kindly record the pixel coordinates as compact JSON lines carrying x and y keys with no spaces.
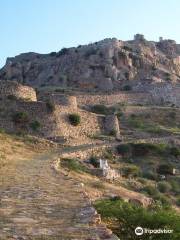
{"x":38,"y":203}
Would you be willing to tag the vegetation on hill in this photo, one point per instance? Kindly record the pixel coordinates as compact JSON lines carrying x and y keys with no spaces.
{"x":123,"y":218}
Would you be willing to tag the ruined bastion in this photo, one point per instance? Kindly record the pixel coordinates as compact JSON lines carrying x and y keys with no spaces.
{"x":12,"y":88}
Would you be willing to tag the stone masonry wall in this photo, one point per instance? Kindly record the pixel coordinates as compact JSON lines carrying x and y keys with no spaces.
{"x":53,"y":124}
{"x":123,"y":97}
{"x":90,"y":124}
{"x":13,"y":88}
{"x":112,"y":125}
{"x":36,"y":111}
{"x":86,"y":153}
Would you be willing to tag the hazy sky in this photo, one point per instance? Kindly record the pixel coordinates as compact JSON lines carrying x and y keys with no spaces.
{"x":48,"y":25}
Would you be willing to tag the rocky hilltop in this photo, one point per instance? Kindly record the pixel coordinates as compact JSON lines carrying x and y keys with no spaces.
{"x":110,"y":64}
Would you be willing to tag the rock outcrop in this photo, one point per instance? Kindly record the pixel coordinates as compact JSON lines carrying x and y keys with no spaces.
{"x":106,"y":65}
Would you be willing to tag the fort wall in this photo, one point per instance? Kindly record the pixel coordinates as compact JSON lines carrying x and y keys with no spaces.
{"x":53,"y":124}
{"x":8,"y":88}
{"x":109,"y":99}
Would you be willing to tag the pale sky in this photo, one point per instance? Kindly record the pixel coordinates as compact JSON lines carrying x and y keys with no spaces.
{"x":48,"y":25}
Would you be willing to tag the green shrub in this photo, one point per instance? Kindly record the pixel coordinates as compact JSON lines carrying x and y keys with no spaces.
{"x":131,"y":171}
{"x":20,"y":117}
{"x":94,"y":161}
{"x":73,"y":165}
{"x":100,"y":109}
{"x":113,"y":132}
{"x":165,"y":169}
{"x":35,"y":125}
{"x":165,"y":201}
{"x":150,"y":175}
{"x":74,"y":119}
{"x":119,"y":114}
{"x":175,"y":186}
{"x":141,"y":149}
{"x":136,"y":123}
{"x":2,"y":130}
{"x":178,"y":202}
{"x":124,"y":149}
{"x":175,"y":151}
{"x":151,"y":190}
{"x":108,"y":154}
{"x":50,"y":106}
{"x":164,"y":186}
{"x":123,"y":218}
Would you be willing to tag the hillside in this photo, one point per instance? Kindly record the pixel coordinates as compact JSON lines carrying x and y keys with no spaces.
{"x":106,"y":65}
{"x":97,"y":126}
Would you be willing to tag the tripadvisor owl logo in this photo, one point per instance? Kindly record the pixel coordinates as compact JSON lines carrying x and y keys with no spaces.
{"x":139,"y":231}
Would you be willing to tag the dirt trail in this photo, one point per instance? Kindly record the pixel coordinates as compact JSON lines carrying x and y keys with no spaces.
{"x":38,"y":203}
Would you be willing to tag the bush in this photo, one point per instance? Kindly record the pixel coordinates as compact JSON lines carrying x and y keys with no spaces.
{"x":124,"y":149}
{"x":164,"y":186}
{"x":151,"y":190}
{"x":150,"y":175}
{"x":165,"y":169}
{"x":178,"y":202}
{"x":73,"y":165}
{"x":131,"y":171}
{"x":123,"y":218}
{"x":100,"y":109}
{"x":175,"y":186}
{"x":166,"y":203}
{"x":94,"y":161}
{"x":35,"y":125}
{"x":20,"y":117}
{"x":74,"y":119}
{"x":141,"y":149}
{"x":136,"y":123}
{"x":50,"y":106}
{"x":174,"y":151}
{"x":113,"y":132}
